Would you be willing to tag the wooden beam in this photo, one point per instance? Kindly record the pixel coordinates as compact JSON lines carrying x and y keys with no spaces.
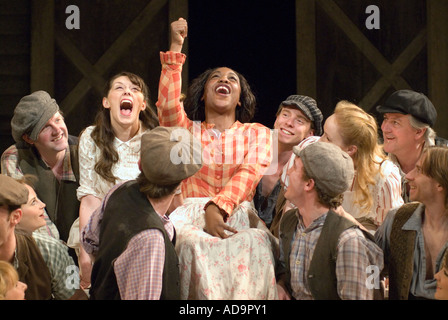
{"x":179,"y":9}
{"x":438,"y":61}
{"x":306,"y":48}
{"x":89,"y":72}
{"x":400,"y":64}
{"x":42,"y":46}
{"x":363,"y":44}
{"x":114,"y":52}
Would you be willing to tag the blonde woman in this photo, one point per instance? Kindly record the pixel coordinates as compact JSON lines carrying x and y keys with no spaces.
{"x":10,"y":286}
{"x":376,"y":187}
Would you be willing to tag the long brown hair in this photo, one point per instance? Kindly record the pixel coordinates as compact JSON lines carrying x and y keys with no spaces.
{"x":103,"y":134}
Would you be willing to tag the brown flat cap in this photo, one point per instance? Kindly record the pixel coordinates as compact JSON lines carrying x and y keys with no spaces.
{"x":12,"y":192}
{"x":170,"y":155}
{"x":31,"y":114}
{"x":331,"y":168}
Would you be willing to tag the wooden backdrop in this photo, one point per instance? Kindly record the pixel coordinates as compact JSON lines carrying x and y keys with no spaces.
{"x":319,"y":48}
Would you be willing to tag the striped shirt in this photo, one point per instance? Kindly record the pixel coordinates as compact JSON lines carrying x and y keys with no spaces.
{"x":145,"y":251}
{"x":233,"y":161}
{"x":354,"y":254}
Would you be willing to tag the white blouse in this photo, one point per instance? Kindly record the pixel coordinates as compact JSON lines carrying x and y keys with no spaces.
{"x":125,"y":169}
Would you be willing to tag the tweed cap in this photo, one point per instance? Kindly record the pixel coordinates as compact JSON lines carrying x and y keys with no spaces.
{"x":331,"y":168}
{"x":309,"y":107}
{"x":12,"y":192}
{"x":410,"y":102}
{"x":31,"y":114}
{"x":169,"y":155}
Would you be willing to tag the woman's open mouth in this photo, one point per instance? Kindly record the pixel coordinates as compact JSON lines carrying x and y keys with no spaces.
{"x":126,"y":107}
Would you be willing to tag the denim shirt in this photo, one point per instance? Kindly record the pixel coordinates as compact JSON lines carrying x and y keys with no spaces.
{"x":420,"y":286}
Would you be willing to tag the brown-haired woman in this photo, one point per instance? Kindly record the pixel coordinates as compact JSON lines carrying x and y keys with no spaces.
{"x":109,"y":150}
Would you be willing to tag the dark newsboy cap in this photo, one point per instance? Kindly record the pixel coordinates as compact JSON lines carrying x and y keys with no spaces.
{"x":309,"y":107}
{"x":410,"y":102}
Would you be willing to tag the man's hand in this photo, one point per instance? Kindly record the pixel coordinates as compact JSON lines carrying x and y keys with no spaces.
{"x":214,"y":222}
{"x":179,"y":31}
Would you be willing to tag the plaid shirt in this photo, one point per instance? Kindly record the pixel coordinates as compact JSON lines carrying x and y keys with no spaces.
{"x":10,"y":164}
{"x":354,"y":255}
{"x":233,"y":161}
{"x":59,"y":263}
{"x":10,"y":167}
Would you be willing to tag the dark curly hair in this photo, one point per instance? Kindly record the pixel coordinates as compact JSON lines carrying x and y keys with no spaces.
{"x":195,"y":108}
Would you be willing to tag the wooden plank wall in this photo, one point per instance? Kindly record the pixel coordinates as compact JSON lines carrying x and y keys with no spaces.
{"x":14,"y":62}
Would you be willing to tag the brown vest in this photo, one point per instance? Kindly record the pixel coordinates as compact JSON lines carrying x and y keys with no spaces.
{"x":401,"y":259}
{"x":60,"y":198}
{"x":33,"y":270}
{"x":321,"y":275}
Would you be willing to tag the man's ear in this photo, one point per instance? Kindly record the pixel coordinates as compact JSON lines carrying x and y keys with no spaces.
{"x":15,"y":217}
{"x":309,"y":185}
{"x":419,"y":133}
{"x":27,"y":138}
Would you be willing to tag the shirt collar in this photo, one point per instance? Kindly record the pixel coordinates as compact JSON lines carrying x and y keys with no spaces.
{"x":415,"y":221}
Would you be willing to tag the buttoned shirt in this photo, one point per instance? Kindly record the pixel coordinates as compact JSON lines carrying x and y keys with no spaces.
{"x":354,"y":254}
{"x":233,"y":161}
{"x":90,"y":182}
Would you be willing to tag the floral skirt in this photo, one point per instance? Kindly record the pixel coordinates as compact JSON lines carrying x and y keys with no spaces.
{"x":239,"y":267}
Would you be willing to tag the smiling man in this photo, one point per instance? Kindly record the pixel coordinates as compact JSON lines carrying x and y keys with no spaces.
{"x":45,"y":149}
{"x":414,"y":237}
{"x":297,"y":118}
{"x":407,"y":129}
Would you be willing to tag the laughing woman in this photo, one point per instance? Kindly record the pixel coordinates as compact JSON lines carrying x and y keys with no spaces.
{"x":110,"y":149}
{"x":221,"y":255}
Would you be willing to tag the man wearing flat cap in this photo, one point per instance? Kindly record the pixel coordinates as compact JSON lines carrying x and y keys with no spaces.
{"x":44,"y":149}
{"x":297,"y":118}
{"x":324,"y":255}
{"x":130,"y":238}
{"x":40,"y":260}
{"x":408,"y":118}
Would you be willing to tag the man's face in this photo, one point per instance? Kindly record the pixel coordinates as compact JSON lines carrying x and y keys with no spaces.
{"x":293,"y":126}
{"x":53,"y":136}
{"x":422,"y":188}
{"x":6,"y":226}
{"x":294,"y":191}
{"x":398,"y":134}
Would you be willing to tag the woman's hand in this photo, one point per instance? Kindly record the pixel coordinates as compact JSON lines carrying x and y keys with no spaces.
{"x":214,"y":222}
{"x":179,"y":31}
